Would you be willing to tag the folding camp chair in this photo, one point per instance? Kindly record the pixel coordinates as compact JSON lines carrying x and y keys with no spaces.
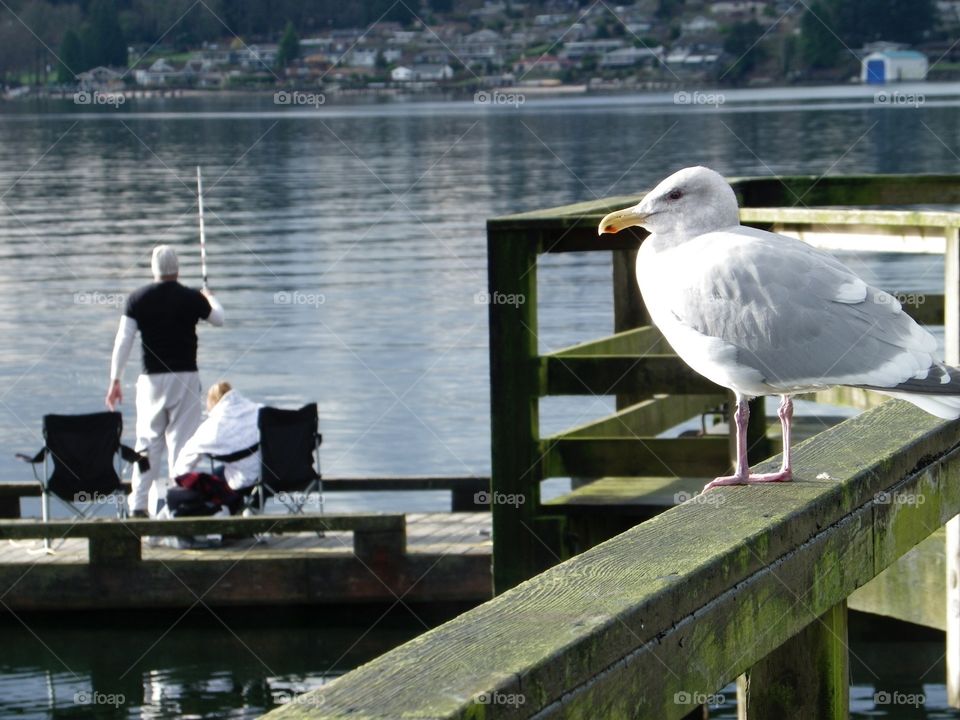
{"x":289,"y":458}
{"x":86,"y":454}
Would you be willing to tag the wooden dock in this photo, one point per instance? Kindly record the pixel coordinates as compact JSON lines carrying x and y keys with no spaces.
{"x":651,"y":622}
{"x":654,"y":389}
{"x":377,"y":558}
{"x":609,"y":607}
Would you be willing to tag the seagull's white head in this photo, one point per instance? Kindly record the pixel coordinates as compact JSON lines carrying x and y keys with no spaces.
{"x":691,"y":202}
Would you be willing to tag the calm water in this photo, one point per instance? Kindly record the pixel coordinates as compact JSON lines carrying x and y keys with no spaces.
{"x":347,"y":245}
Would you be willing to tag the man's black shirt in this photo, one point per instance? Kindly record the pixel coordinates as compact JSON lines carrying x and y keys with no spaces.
{"x":167,"y":314}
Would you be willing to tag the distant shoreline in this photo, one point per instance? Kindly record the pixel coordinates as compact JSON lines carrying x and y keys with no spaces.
{"x":692,"y":96}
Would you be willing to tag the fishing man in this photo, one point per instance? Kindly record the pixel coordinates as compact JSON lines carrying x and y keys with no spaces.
{"x":169,"y":404}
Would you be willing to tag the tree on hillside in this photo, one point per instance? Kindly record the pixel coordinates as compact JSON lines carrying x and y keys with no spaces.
{"x":862,"y":21}
{"x":101,"y":36}
{"x":742,"y":43}
{"x":289,"y":48}
{"x":667,"y":9}
{"x":71,"y":58}
{"x":819,"y":46}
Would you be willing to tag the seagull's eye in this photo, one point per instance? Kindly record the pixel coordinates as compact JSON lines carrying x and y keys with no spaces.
{"x":674,"y":194}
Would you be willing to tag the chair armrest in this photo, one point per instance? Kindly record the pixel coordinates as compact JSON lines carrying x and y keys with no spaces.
{"x":32,"y":459}
{"x":132,"y":456}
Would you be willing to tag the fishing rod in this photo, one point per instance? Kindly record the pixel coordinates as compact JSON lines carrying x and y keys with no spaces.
{"x":203,"y":236}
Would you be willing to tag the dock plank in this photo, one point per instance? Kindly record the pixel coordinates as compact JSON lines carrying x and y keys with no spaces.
{"x":292,"y":568}
{"x":74,"y":550}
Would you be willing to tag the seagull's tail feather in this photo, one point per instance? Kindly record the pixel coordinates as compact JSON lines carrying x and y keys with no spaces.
{"x":943,"y":406}
{"x":938,"y":393}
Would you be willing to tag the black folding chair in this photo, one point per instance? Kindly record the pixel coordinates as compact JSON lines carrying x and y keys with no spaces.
{"x":289,"y":458}
{"x":86,"y":454}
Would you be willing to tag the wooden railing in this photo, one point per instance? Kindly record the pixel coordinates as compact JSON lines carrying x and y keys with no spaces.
{"x":119,"y":542}
{"x":464,"y":491}
{"x":745,"y":582}
{"x":635,"y":469}
{"x":635,"y":364}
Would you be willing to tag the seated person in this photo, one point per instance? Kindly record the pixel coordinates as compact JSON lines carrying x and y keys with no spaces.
{"x":229,"y":429}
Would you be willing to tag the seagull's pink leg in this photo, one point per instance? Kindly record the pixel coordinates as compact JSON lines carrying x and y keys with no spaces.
{"x":742,"y":475}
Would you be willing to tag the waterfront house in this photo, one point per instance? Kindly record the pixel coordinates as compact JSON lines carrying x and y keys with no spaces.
{"x":159,"y":74}
{"x":100,"y":78}
{"x":401,"y":73}
{"x":893,"y":66}
{"x":631,"y":57}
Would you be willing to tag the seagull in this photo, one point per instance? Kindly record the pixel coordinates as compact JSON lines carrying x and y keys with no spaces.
{"x":764,"y":314}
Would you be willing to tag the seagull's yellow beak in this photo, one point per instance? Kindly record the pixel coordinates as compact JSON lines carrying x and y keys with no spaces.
{"x":621,"y":219}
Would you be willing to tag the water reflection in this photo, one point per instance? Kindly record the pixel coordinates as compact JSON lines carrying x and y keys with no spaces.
{"x":379,"y":210}
{"x":165,"y":666}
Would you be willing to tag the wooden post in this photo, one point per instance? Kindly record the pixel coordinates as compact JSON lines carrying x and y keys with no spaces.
{"x":759,"y":446}
{"x":113,"y":546}
{"x":385,"y":546}
{"x":518,"y":553}
{"x":951,"y":322}
{"x":9,"y":506}
{"x":629,"y":310}
{"x":463,"y":498}
{"x":806,"y":677}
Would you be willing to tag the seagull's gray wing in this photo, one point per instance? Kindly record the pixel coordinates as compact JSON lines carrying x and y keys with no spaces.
{"x":801,"y":318}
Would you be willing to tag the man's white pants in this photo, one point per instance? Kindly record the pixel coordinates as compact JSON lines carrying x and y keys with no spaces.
{"x":169,"y":411}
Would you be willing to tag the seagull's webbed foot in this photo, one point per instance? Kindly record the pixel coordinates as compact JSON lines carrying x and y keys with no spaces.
{"x":785,"y":475}
{"x":743,"y":476}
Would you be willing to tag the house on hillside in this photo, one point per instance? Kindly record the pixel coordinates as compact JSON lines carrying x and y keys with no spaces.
{"x":630,"y":57}
{"x":580,"y":49}
{"x":255,"y":58}
{"x":100,"y":78}
{"x":545,"y":64}
{"x":885,"y":66}
{"x":421,"y":73}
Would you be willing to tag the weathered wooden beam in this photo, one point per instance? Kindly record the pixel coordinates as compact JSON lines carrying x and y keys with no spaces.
{"x":806,"y":677}
{"x":847,"y":216}
{"x":683,"y":603}
{"x":278,"y":579}
{"x":518,"y":552}
{"x":111,"y":528}
{"x":913,"y":589}
{"x":852,"y":190}
{"x":951,"y":275}
{"x":611,"y":375}
{"x":637,"y":341}
{"x":648,"y":418}
{"x":583,"y":213}
{"x":637,"y":496}
{"x":634,"y":456}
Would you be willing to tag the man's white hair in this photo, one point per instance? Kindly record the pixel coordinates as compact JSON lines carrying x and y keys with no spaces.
{"x":164,"y":262}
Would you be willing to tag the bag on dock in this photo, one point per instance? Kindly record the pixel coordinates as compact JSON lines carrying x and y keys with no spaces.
{"x":202,"y":494}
